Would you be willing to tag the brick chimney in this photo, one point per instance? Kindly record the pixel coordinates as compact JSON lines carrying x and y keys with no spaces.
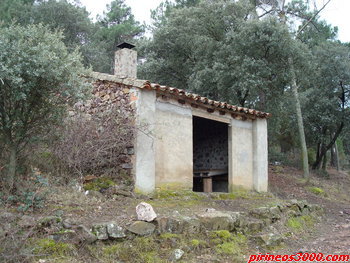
{"x":125,"y":63}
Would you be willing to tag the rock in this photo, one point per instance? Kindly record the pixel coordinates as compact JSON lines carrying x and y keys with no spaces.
{"x":127,"y":166}
{"x":261,"y":213}
{"x":79,"y":235}
{"x":115,"y":231}
{"x":169,"y":225}
{"x":302,"y":204}
{"x":123,"y":193}
{"x":66,"y":236}
{"x":191,"y":225}
{"x":68,"y":223}
{"x":254,"y":225}
{"x":275,"y":213}
{"x":239,"y":220}
{"x":100,"y":230}
{"x":176,"y":255}
{"x":216,"y":220}
{"x":84,"y":235}
{"x":141,"y":228}
{"x":314,"y":208}
{"x":268,"y":239}
{"x":95,"y":194}
{"x":130,"y":150}
{"x":178,"y":224}
{"x":293,"y":206}
{"x":145,"y":212}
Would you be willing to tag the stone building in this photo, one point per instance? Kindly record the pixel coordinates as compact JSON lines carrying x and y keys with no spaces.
{"x":183,"y":140}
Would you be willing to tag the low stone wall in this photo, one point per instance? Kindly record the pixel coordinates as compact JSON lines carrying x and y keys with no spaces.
{"x":257,"y":223}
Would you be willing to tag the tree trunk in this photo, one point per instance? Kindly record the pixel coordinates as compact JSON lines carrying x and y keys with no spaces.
{"x":336,"y":156}
{"x":305,"y":161}
{"x":324,"y":162}
{"x":333,"y":158}
{"x":324,"y":149}
{"x":11,"y":174}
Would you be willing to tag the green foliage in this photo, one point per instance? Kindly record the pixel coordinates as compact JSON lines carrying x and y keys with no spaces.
{"x":311,"y":154}
{"x":217,"y":52}
{"x":38,"y":77}
{"x":99,"y":184}
{"x":96,"y":40}
{"x":33,"y":197}
{"x":15,"y":10}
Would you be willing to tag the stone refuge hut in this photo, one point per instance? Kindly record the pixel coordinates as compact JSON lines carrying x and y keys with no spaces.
{"x":184,"y":141}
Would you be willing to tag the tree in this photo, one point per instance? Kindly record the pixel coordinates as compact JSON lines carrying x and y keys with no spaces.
{"x":96,"y":40}
{"x":330,"y":96}
{"x":38,"y":77}
{"x":220,"y":50}
{"x":15,"y":10}
{"x":73,"y":20}
{"x":114,"y":26}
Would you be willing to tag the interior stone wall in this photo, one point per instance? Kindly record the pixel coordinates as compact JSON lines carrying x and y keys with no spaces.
{"x":210,"y":144}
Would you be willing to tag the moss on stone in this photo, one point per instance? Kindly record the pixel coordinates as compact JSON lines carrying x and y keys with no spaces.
{"x":198,"y":243}
{"x":228,"y":243}
{"x":228,"y":248}
{"x":222,"y":234}
{"x":178,"y":194}
{"x":297,"y":224}
{"x":99,"y":183}
{"x":229,"y":196}
{"x":316,"y":190}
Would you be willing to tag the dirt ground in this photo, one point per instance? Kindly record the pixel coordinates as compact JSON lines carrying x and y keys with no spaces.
{"x":332,"y":235}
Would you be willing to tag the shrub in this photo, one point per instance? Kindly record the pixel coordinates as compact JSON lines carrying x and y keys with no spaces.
{"x":33,"y":196}
{"x":96,"y":144}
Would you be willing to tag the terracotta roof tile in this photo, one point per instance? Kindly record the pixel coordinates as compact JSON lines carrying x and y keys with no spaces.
{"x":144,"y":84}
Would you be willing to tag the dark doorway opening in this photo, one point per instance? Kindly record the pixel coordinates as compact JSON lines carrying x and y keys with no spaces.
{"x":210,"y":155}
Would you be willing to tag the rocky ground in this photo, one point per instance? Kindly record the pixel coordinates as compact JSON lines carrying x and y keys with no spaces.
{"x":332,"y":234}
{"x":70,"y":216}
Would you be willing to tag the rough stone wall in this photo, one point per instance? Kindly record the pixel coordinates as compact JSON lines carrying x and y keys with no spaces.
{"x":210,"y":146}
{"x":105,"y":96}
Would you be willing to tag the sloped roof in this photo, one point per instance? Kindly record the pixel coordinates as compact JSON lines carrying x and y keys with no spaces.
{"x":181,"y":94}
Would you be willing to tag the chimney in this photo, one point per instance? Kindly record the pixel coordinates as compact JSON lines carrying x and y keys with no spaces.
{"x":125,"y":62}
